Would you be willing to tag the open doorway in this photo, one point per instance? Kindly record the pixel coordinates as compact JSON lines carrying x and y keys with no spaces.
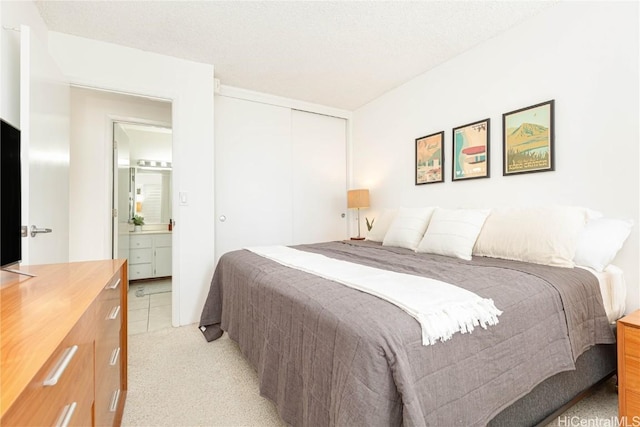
{"x":143,"y":230}
{"x":94,"y":178}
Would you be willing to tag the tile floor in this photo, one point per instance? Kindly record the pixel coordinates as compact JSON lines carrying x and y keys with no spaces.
{"x":149,"y":306}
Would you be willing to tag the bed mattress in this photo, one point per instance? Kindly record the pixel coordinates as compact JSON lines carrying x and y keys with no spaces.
{"x":613,"y":289}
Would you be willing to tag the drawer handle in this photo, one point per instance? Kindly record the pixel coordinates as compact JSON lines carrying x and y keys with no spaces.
{"x":59,"y":369}
{"x":114,"y":356}
{"x":114,"y":313}
{"x":115,"y":285}
{"x":114,"y":401}
{"x":67,"y":413}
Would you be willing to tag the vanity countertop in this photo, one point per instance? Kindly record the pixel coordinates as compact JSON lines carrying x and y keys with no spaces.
{"x":150,"y":232}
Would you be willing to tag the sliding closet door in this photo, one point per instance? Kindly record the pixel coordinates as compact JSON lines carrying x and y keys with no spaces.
{"x":253,"y":174}
{"x":319,"y":177}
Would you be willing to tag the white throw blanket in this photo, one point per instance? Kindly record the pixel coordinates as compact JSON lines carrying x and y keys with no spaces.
{"x":442,"y":309}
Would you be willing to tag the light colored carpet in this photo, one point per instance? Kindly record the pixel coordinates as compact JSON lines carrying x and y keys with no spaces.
{"x":598,"y":409}
{"x":176,"y":378}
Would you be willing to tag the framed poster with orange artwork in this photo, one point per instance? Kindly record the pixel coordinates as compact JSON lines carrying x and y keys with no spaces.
{"x":430,"y":159}
{"x":527,"y":139}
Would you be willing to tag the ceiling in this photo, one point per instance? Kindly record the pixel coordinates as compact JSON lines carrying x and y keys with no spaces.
{"x":341,"y":54}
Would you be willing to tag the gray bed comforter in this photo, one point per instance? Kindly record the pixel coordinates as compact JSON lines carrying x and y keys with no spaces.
{"x":327,"y":354}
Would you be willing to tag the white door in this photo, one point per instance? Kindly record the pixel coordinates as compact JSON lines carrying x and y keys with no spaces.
{"x":319,"y":177}
{"x":44,"y":124}
{"x":252,"y":174}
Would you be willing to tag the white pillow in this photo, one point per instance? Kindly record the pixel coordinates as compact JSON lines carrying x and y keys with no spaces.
{"x":600,"y":241}
{"x":538,"y":235}
{"x":381,"y":225}
{"x":408,"y":227}
{"x":453,"y":232}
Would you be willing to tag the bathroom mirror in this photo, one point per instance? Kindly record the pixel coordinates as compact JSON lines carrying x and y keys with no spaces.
{"x":145,"y":154}
{"x":151,"y":189}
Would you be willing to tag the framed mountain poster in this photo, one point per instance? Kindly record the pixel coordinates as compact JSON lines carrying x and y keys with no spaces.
{"x":527,"y":139}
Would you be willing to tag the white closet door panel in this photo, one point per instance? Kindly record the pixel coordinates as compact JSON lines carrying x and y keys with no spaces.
{"x":252,"y":174}
{"x":319,"y":177}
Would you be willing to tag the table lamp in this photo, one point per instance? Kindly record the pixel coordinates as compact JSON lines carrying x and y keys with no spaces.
{"x":357,"y":199}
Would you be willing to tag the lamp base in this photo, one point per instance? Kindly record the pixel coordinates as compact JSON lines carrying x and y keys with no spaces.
{"x":357,"y":238}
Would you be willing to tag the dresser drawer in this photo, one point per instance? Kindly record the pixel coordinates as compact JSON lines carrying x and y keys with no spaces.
{"x":632,"y":371}
{"x":109,"y":325}
{"x":108,"y":395}
{"x":140,"y":271}
{"x":113,"y":289}
{"x":140,"y":256}
{"x":63,"y":386}
{"x":109,"y":318}
{"x":632,"y":400}
{"x":139,"y":242}
{"x":632,"y":341}
{"x":108,"y":364}
{"x":108,"y":358}
{"x":632,"y":358}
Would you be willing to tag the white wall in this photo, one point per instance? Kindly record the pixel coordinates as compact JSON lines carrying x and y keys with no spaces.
{"x":189,"y":86}
{"x":583,"y":55}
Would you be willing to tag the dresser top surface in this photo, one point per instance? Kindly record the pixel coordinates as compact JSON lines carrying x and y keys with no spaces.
{"x":38,"y":313}
{"x":631,"y":319}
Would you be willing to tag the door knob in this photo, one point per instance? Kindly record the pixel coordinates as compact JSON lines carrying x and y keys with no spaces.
{"x":342,"y":215}
{"x":222,"y":218}
{"x":35,"y":230}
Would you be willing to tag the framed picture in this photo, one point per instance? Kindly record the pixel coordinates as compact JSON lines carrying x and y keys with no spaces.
{"x":430,"y":159}
{"x":527,"y":139}
{"x":471,"y":151}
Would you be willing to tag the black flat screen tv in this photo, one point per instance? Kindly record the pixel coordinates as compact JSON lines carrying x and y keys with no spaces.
{"x":10,"y":196}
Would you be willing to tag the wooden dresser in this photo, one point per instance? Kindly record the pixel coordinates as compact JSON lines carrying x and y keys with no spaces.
{"x":629,"y":368}
{"x":64,"y":345}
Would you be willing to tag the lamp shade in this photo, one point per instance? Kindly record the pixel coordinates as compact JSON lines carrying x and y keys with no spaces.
{"x":358,"y":199}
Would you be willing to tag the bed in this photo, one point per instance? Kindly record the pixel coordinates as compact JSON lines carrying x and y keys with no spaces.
{"x":328,"y":354}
